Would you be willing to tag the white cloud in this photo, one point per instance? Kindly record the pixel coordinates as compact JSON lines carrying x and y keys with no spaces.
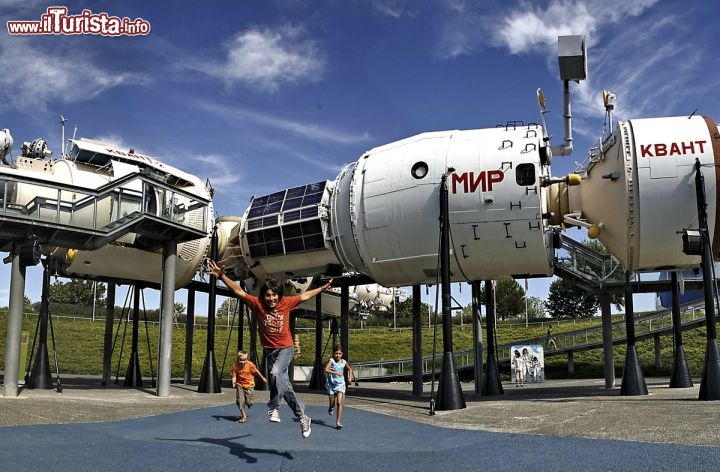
{"x":268,"y":58}
{"x":527,"y":30}
{"x":644,"y":64}
{"x":312,"y":160}
{"x":216,"y":169}
{"x":306,"y":130}
{"x":526,"y":27}
{"x":117,"y":141}
{"x":32,"y":78}
{"x":395,"y":8}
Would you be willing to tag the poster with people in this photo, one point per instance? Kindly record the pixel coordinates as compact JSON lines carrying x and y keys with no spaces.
{"x":527,"y":363}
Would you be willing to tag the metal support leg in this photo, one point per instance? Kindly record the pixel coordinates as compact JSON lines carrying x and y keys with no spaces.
{"x":167,"y":308}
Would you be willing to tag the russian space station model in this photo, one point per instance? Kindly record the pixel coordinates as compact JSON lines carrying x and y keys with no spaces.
{"x":378,"y":217}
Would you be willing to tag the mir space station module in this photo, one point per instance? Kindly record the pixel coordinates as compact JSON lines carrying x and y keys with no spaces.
{"x":379,"y":217}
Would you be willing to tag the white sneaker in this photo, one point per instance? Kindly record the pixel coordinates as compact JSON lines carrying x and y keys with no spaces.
{"x":305,"y":425}
{"x":274,"y":415}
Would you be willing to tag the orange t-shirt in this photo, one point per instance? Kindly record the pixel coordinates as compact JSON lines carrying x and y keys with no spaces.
{"x":274,"y":326}
{"x":244,"y":374}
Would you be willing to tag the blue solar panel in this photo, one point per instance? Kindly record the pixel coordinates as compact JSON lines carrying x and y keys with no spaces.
{"x":274,"y":249}
{"x":312,"y":198}
{"x":254,"y":237}
{"x":259,"y":202}
{"x":273,"y":208}
{"x":267,"y":238}
{"x":269,"y":221}
{"x":293,"y":245}
{"x":292,"y":231}
{"x":276,"y":197}
{"x":254,"y":224}
{"x":315,"y":242}
{"x":308,"y":213}
{"x":296,"y":192}
{"x":272,"y":234}
{"x":258,"y":250}
{"x":291,"y":203}
{"x":291,"y":216}
{"x":256,"y":211}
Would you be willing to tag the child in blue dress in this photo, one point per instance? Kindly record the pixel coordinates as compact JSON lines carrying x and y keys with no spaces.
{"x":335,"y":383}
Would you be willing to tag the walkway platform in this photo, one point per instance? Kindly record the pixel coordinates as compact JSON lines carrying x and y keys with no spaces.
{"x":557,"y":425}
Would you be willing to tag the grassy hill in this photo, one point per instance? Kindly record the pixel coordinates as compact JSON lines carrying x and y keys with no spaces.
{"x":79,"y":344}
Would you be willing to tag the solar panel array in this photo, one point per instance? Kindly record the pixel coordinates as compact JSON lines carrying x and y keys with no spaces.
{"x":286,"y":222}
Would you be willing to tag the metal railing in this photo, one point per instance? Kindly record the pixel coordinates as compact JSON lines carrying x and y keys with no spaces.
{"x":403,"y":368}
{"x":102,"y":209}
{"x":646,"y":325}
{"x":588,"y":263}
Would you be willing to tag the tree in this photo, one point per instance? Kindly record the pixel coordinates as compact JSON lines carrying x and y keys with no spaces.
{"x":403,"y":310}
{"x":228,"y":307}
{"x":509,"y":298}
{"x":535,"y":308}
{"x":178,"y":311}
{"x":567,"y":300}
{"x":27,"y":305}
{"x":77,"y":292}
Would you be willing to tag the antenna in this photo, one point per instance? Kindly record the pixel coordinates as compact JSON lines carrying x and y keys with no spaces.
{"x":572,"y":53}
{"x":609,"y":103}
{"x":543,"y":108}
{"x":62,"y":136}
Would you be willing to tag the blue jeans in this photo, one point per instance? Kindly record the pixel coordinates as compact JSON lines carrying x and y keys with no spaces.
{"x":278,"y":362}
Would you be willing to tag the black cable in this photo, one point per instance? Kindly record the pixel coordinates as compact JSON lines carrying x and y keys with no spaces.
{"x":59,"y":387}
{"x":434,"y":353}
{"x":32,"y":351}
{"x":452,"y":244}
{"x":715,"y":287}
{"x":147,"y":337}
{"x":227,"y":346}
{"x":125,"y":315}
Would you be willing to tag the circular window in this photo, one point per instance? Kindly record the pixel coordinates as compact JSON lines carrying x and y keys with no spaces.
{"x":419,"y":170}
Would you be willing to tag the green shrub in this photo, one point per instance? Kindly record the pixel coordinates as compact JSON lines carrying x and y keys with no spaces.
{"x":79,"y":344}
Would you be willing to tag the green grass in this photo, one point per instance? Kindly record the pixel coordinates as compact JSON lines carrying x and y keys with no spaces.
{"x":79,"y":345}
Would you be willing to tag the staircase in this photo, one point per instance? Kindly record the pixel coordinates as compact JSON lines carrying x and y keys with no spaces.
{"x":84,"y":218}
{"x":593,"y":271}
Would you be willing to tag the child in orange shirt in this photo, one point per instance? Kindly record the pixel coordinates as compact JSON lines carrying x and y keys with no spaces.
{"x":243,"y":381}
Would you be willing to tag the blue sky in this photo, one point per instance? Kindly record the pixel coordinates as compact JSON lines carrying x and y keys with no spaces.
{"x":258,"y":96}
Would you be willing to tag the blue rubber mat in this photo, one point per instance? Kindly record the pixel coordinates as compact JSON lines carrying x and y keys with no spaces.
{"x":210,"y":439}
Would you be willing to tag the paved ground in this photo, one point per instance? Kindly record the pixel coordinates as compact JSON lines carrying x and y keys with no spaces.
{"x":555,"y":425}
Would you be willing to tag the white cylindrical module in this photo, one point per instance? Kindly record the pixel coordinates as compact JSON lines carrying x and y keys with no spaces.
{"x":66,"y":172}
{"x":373,"y":296}
{"x":641,"y":192}
{"x":385,"y":209}
{"x":91,"y":165}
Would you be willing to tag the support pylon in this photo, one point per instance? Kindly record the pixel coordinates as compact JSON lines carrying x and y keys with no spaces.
{"x":133,"y":375}
{"x":317,"y":379}
{"x":680,"y":377}
{"x":450,"y":394}
{"x":492,"y":383}
{"x":633,"y":381}
{"x":710,"y":382}
{"x":40,"y":376}
{"x":209,"y":378}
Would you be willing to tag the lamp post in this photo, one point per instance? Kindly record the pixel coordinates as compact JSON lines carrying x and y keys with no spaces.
{"x":394,"y":300}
